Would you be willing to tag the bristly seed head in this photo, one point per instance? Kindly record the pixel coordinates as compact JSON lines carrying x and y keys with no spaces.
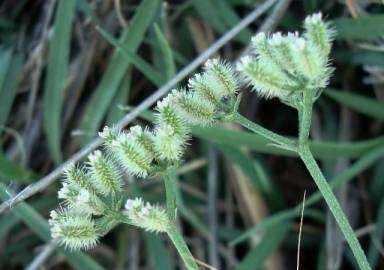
{"x":104,"y":173}
{"x":132,"y":154}
{"x":285,"y":66}
{"x":73,"y":230}
{"x":151,"y":218}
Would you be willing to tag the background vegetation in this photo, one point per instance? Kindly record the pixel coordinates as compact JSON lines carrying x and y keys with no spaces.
{"x":68,"y":67}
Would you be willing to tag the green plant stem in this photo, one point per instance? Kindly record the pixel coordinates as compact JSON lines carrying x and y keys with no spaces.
{"x":173,"y":233}
{"x":276,"y":138}
{"x":305,"y":115}
{"x":334,"y":207}
{"x":170,"y":195}
{"x":182,"y":247}
{"x":305,"y":119}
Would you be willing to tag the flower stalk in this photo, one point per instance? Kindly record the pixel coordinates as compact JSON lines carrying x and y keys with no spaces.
{"x":170,"y":195}
{"x":310,"y":163}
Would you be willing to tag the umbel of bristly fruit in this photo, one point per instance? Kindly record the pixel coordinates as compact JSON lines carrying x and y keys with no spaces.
{"x":92,"y":192}
{"x":284,"y":66}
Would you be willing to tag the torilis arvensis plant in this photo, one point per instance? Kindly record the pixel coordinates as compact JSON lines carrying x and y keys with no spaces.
{"x":294,"y":68}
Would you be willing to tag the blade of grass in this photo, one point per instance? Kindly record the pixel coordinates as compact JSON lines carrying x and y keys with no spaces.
{"x":117,"y":68}
{"x":115,"y":113}
{"x":157,"y":249}
{"x":57,"y":69}
{"x":10,"y":171}
{"x":256,"y":174}
{"x":360,"y":28}
{"x":368,"y":106}
{"x":377,"y":237}
{"x":231,"y":18}
{"x":267,"y":246}
{"x":166,"y":51}
{"x":213,"y":14}
{"x":152,"y":74}
{"x":41,"y":228}
{"x":5,"y":58}
{"x":9,"y":75}
{"x":376,"y":186}
{"x":7,"y":222}
{"x":123,"y":242}
{"x":244,"y":161}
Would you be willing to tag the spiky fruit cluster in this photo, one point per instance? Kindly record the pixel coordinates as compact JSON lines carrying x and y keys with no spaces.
{"x":92,"y":192}
{"x":86,"y":192}
{"x":73,"y":229}
{"x":151,"y":218}
{"x":286,"y":65}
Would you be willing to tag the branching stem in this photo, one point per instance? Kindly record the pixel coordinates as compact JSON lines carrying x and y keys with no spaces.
{"x":274,"y":137}
{"x":302,"y":148}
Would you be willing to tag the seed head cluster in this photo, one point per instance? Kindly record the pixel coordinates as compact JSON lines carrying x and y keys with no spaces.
{"x":91,"y":192}
{"x":282,"y":66}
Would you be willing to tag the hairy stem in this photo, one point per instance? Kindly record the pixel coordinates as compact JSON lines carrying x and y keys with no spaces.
{"x":276,"y":138}
{"x":182,"y":247}
{"x":170,"y":195}
{"x":305,"y":119}
{"x":334,"y":206}
{"x":305,"y":115}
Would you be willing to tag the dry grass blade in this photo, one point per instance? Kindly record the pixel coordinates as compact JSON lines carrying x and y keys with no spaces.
{"x":301,"y":226}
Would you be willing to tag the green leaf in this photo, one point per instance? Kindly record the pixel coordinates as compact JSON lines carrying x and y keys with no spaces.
{"x":220,"y":16}
{"x":377,"y":236}
{"x":259,"y":180}
{"x":7,"y":222}
{"x":117,"y":68}
{"x":115,"y":112}
{"x":256,"y":173}
{"x":10,"y":70}
{"x":166,"y":51}
{"x":231,"y":18}
{"x":270,"y":242}
{"x":11,"y":171}
{"x":152,"y":74}
{"x":57,"y":69}
{"x":376,"y":185}
{"x":365,"y":57}
{"x":360,"y":28}
{"x":368,"y":106}
{"x":41,"y":228}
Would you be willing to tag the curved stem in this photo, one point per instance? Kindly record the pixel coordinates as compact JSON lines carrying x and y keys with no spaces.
{"x":305,"y":115}
{"x":182,"y":247}
{"x":274,"y":137}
